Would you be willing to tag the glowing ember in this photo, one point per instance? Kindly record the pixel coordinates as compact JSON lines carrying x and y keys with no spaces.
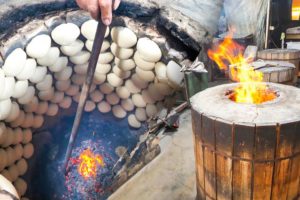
{"x":88,"y":164}
{"x":252,"y":88}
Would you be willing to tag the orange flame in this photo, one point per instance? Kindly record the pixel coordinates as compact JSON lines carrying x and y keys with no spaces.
{"x":252,"y":88}
{"x":89,"y":163}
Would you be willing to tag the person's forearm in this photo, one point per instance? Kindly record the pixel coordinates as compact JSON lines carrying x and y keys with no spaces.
{"x":99,"y":7}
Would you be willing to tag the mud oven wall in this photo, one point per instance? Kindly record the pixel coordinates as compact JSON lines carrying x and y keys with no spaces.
{"x":45,"y":48}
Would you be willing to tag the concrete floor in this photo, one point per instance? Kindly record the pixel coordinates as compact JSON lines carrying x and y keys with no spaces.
{"x":170,"y":176}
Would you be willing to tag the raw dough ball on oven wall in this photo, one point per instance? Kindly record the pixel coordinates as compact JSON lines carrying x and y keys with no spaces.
{"x":65,"y":34}
{"x":50,"y":58}
{"x":89,"y":28}
{"x":105,"y":45}
{"x":123,"y":37}
{"x":118,"y":112}
{"x":59,"y":64}
{"x":20,"y":89}
{"x":89,"y":106}
{"x":127,"y":104}
{"x":39,"y":75}
{"x":52,"y":110}
{"x":148,"y":50}
{"x":21,"y":186}
{"x":45,"y":84}
{"x":133,"y":122}
{"x":175,"y":76}
{"x":38,"y":121}
{"x":13,"y":172}
{"x":121,"y":53}
{"x":66,"y":102}
{"x":144,"y":65}
{"x":73,"y":48}
{"x":80,"y":58}
{"x":15,"y":62}
{"x":114,"y":80}
{"x":96,"y":96}
{"x":39,"y":46}
{"x":29,"y":95}
{"x":140,"y":114}
{"x":28,"y":150}
{"x":28,"y":70}
{"x":22,"y":166}
{"x":5,"y":107}
{"x":104,"y":107}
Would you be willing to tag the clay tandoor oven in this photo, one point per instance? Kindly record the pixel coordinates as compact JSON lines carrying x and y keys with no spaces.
{"x":246,"y":151}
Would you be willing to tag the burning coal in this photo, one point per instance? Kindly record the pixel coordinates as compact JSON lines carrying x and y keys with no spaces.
{"x":252,"y":89}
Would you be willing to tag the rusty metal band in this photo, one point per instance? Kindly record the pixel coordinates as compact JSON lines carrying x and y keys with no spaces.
{"x":211,"y":149}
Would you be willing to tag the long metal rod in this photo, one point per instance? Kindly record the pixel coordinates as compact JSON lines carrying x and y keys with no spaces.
{"x":99,"y":37}
{"x":268,"y":24}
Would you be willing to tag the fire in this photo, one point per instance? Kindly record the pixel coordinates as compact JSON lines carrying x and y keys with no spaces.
{"x":88,"y":164}
{"x":252,"y":88}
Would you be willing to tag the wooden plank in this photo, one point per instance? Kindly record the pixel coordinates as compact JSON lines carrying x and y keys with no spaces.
{"x":224,"y":178}
{"x":223,"y":133}
{"x":294,"y":179}
{"x":265,"y":146}
{"x":244,"y":140}
{"x":283,"y":168}
{"x":196,"y":124}
{"x":242,"y":180}
{"x":210,"y":173}
{"x":208,"y":131}
{"x":262,"y":180}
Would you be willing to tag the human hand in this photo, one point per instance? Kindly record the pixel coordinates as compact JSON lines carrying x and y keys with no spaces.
{"x":95,"y":6}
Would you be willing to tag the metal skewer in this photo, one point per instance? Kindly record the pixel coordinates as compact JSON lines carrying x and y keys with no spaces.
{"x":99,"y":38}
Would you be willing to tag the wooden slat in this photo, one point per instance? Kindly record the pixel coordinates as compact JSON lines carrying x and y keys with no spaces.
{"x":210,"y":173}
{"x":283,"y":168}
{"x":242,"y":180}
{"x":265,"y":147}
{"x":244,"y":141}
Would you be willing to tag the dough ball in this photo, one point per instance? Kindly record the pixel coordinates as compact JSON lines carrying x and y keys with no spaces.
{"x":140,"y":114}
{"x":73,"y":48}
{"x":52,"y":110}
{"x":96,"y":96}
{"x":89,"y":28}
{"x":149,"y":50}
{"x":123,"y":37}
{"x":45,"y":84}
{"x":15,"y":62}
{"x":39,"y":46}
{"x":138,"y":101}
{"x":28,"y":70}
{"x":127,"y":104}
{"x":114,"y":80}
{"x":125,"y":65}
{"x":28,"y":150}
{"x":123,"y":92}
{"x":65,"y":34}
{"x":59,"y":64}
{"x":104,"y":107}
{"x":106,"y":88}
{"x":105,"y":58}
{"x":50,"y":58}
{"x":151,"y":110}
{"x":80,"y":58}
{"x":112,"y":99}
{"x":89,"y":106}
{"x":142,"y":64}
{"x":133,"y":122}
{"x":118,"y":112}
{"x":175,"y":76}
{"x":121,"y":53}
{"x":145,"y":75}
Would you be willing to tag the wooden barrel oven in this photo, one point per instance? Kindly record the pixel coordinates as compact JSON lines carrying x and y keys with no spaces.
{"x":244,"y":151}
{"x":287,"y":55}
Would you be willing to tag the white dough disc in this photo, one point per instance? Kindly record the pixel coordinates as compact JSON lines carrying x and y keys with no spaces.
{"x":18,"y":150}
{"x":50,"y":58}
{"x":13,"y":171}
{"x":81,"y":69}
{"x":22,"y":166}
{"x":131,"y":87}
{"x":64,"y":75}
{"x":66,"y":102}
{"x":80,"y":58}
{"x":145,"y":75}
{"x":147,"y":97}
{"x":14,"y":112}
{"x":2,"y":132}
{"x":151,"y":110}
{"x":65,"y":34}
{"x":148,"y":50}
{"x":96,"y":96}
{"x":39,"y":75}
{"x":103,"y":68}
{"x":32,"y":106}
{"x":118,"y":112}
{"x":105,"y":58}
{"x":104,"y":107}
{"x":175,"y":76}
{"x":144,"y":65}
{"x":27,"y":98}
{"x":140,"y":83}
{"x":28,"y":70}
{"x":123,"y":92}
{"x":164,"y":88}
{"x":106,"y":88}
{"x":28,"y":121}
{"x":17,"y":122}
{"x":121,"y":73}
{"x":125,"y":65}
{"x":127,"y":104}
{"x":105,"y":45}
{"x":152,"y":89}
{"x":78,"y":79}
{"x":72,"y":49}
{"x":89,"y":28}
{"x":114,"y":80}
{"x":133,"y":122}
{"x":2,"y":81}
{"x":140,"y":114}
{"x":45,"y":84}
{"x":123,"y":37}
{"x":52,"y":110}
{"x":99,"y":78}
{"x":73,"y":90}
{"x":21,"y":186}
{"x":121,"y":53}
{"x":112,"y":99}
{"x":15,"y":62}
{"x":20,"y":89}
{"x":3,"y":159}
{"x":39,"y":46}
{"x":63,"y":85}
{"x":58,"y":97}
{"x":161,"y":72}
{"x":38,"y":121}
{"x":42,"y":108}
{"x":89,"y":106}
{"x":5,"y":107}
{"x":9,"y":87}
{"x":27,"y":136}
{"x":59,"y":64}
{"x":46,"y":95}
{"x":138,"y":101}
